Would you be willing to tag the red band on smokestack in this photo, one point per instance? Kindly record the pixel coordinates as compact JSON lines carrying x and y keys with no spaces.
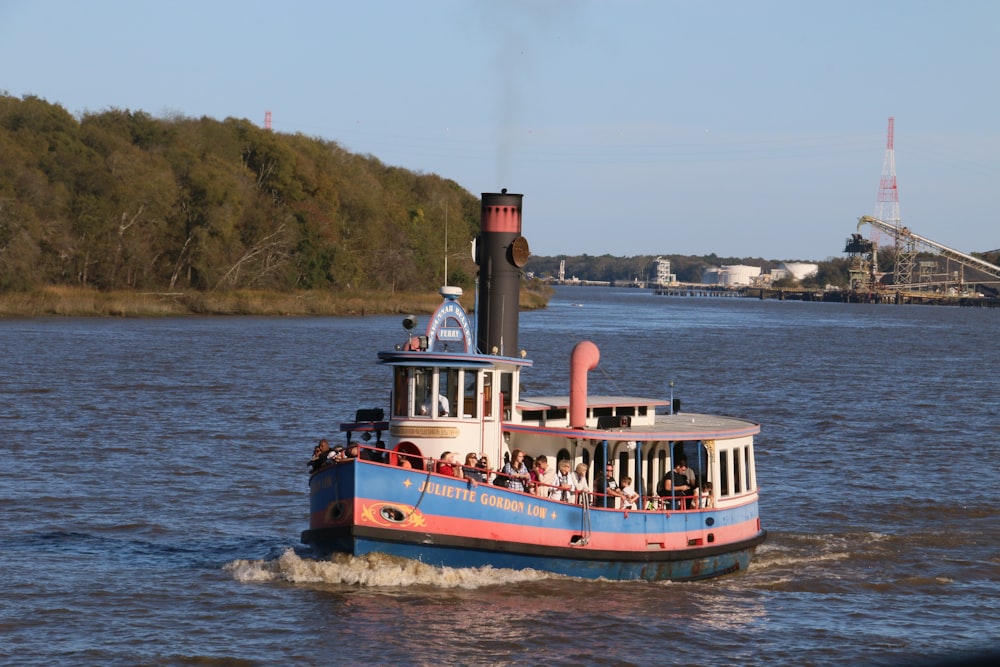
{"x":499,"y":276}
{"x":583,"y":359}
{"x":501,"y":219}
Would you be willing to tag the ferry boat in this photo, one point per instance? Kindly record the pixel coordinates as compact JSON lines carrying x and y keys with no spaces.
{"x":455,"y":392}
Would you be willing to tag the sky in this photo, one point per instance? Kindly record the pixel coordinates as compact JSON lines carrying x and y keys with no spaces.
{"x":632,"y":127}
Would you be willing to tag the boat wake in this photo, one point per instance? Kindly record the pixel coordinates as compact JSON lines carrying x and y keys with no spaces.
{"x":374,"y":571}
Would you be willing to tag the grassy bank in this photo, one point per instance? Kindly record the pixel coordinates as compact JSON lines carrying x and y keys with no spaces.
{"x":80,"y":302}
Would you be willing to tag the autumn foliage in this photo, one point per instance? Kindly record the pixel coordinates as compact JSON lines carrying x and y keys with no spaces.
{"x":120,"y":200}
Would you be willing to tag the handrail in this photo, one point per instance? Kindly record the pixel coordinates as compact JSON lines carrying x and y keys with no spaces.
{"x":429,"y":465}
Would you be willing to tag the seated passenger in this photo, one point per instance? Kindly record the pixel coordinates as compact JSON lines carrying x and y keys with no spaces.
{"x":447,"y":466}
{"x":471,"y":469}
{"x":692,"y":477}
{"x":705,"y":498}
{"x":443,"y":406}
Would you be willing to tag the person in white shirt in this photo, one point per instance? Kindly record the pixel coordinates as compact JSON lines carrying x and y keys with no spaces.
{"x":629,"y":496}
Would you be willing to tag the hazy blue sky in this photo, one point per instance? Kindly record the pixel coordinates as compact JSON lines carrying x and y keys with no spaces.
{"x":744,"y":128}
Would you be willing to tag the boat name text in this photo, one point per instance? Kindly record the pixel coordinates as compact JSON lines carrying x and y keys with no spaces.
{"x":484,"y":498}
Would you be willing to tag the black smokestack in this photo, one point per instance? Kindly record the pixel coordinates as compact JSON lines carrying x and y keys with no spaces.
{"x":501,"y":252}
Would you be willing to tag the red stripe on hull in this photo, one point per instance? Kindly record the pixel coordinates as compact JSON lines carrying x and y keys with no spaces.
{"x":393,"y":516}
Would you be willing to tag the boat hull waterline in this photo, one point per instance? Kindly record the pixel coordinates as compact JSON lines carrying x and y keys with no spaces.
{"x":452,"y":523}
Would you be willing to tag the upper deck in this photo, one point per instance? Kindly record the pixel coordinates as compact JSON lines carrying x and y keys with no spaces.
{"x":625,"y":418}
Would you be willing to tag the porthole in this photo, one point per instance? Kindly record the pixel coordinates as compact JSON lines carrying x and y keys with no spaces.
{"x":393,"y":514}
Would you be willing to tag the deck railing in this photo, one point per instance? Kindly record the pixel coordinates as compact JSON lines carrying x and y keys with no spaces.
{"x":650,"y":503}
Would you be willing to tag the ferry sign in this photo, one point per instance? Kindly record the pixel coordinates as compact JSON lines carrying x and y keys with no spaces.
{"x":450,"y":324}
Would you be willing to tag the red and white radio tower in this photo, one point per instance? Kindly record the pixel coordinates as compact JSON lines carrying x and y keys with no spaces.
{"x":887,"y":210}
{"x":887,"y":207}
{"x":267,"y":120}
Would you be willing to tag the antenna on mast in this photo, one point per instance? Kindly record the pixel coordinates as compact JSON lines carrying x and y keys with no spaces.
{"x":446,"y":243}
{"x":887,"y":210}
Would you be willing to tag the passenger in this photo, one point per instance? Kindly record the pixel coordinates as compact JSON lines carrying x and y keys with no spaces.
{"x":321,"y":455}
{"x":692,"y":477}
{"x":629,"y":496}
{"x":581,"y":487}
{"x":653,"y":503}
{"x":562,"y":486}
{"x":447,"y":466}
{"x":516,"y":472}
{"x":532,"y":483}
{"x":545,"y":477}
{"x":606,"y":489}
{"x":404,"y":462}
{"x":352,"y":451}
{"x":443,"y":406}
{"x":484,"y":467}
{"x":338,"y":453}
{"x":676,"y":485}
{"x":705,"y":498}
{"x":471,"y":469}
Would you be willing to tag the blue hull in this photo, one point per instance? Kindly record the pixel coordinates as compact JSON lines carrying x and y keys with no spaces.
{"x":681,"y":569}
{"x":346,"y":529}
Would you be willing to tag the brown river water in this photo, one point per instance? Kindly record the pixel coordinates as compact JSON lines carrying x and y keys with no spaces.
{"x":154,"y":487}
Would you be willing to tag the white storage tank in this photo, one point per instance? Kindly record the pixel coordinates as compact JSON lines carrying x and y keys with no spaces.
{"x":738,"y":274}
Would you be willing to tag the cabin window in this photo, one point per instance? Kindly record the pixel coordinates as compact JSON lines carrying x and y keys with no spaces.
{"x":400,"y":392}
{"x":627,"y":411}
{"x":470,"y":406}
{"x":603,"y":412}
{"x":487,"y":394}
{"x":533,"y":415}
{"x":506,"y":393}
{"x":423,"y":391}
{"x":448,"y":392}
{"x":748,"y":469}
{"x":555,"y":415}
{"x":737,"y":473}
{"x":723,"y":472}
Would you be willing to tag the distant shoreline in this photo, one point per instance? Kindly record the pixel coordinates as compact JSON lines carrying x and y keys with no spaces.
{"x":82,"y":302}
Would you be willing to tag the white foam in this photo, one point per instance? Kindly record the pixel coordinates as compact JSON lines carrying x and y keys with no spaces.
{"x":373,"y":570}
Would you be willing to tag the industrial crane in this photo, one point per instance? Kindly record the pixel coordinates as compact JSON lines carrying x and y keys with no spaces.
{"x":905,"y":237}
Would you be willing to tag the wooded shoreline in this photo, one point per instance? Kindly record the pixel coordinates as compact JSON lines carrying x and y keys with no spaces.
{"x":83,"y":302}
